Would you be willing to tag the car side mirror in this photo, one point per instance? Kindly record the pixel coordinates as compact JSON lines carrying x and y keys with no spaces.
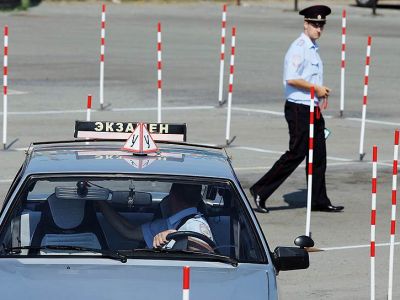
{"x":292,"y":258}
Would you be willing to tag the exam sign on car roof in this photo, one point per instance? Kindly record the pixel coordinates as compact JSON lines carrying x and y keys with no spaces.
{"x":122,"y":130}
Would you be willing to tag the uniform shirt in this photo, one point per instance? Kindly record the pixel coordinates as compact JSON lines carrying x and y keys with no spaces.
{"x":302,"y":61}
{"x":196,"y":224}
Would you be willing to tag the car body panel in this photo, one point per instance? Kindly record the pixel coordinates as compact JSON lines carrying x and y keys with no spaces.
{"x":94,"y":278}
{"x":172,"y":160}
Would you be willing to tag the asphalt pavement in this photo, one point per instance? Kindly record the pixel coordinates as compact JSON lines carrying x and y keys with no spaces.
{"x":54,"y":54}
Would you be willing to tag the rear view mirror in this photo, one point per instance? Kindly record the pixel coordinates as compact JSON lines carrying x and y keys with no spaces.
{"x":136,"y":199}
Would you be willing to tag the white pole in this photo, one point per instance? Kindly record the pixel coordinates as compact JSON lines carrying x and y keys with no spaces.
{"x":102,"y":48}
{"x":393,"y":219}
{"x":159,"y":72}
{"x":310,"y":163}
{"x":364,"y":109}
{"x":343,"y":65}
{"x":362,"y":134}
{"x":231,"y":72}
{"x":373,"y":219}
{"x":5,"y":86}
{"x":222,"y":59}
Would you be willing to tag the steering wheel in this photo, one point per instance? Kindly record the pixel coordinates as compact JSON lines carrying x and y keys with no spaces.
{"x":182,"y":235}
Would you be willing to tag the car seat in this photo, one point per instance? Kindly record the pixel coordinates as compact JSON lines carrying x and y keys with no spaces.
{"x":69,"y":222}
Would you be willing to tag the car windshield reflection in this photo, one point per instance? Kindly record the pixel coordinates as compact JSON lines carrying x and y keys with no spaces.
{"x":174,"y":216}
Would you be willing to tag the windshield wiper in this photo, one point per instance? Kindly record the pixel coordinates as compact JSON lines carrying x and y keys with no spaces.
{"x":113,"y":254}
{"x":206,"y":255}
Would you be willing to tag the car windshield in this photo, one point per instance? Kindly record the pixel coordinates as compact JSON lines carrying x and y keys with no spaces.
{"x":124,"y":214}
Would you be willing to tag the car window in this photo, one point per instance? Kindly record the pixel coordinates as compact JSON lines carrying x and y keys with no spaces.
{"x":75,"y":211}
{"x":13,"y":185}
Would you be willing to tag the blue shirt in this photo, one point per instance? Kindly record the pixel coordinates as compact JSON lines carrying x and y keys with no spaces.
{"x":302,"y":61}
{"x":151,"y":229}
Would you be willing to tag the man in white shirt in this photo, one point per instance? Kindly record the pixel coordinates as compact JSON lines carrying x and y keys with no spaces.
{"x":183,"y":215}
{"x":303,"y":69}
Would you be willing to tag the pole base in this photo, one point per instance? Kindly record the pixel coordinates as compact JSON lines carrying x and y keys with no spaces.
{"x":341,"y":114}
{"x":6,"y":147}
{"x":228,"y":142}
{"x":221,"y":103}
{"x":362,"y":156}
{"x":104,"y":107}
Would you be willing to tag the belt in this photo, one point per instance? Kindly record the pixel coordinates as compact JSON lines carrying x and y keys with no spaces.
{"x":317,"y":109}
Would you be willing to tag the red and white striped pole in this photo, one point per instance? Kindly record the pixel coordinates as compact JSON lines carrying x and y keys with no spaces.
{"x":159,"y":72}
{"x":222,"y":59}
{"x":343,"y":65}
{"x":89,"y":107}
{"x":373,"y":219}
{"x":364,"y":109}
{"x":310,"y":162}
{"x":186,"y":283}
{"x":5,"y":85}
{"x":88,"y":110}
{"x":102,"y":48}
{"x":231,"y":72}
{"x":393,"y":220}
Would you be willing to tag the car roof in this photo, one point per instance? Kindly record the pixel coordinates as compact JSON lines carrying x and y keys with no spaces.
{"x":108,"y":158}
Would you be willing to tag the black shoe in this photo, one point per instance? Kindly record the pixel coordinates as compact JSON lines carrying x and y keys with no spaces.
{"x":327,"y":208}
{"x":259,"y":208}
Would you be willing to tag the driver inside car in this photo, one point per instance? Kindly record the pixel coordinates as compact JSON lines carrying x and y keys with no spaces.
{"x":183,"y":215}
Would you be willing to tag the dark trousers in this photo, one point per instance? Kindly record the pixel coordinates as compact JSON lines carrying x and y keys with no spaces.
{"x":298,"y":119}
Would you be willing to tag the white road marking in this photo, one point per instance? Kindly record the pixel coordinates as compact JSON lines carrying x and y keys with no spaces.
{"x":270,"y":112}
{"x":15,"y":92}
{"x":164,"y":108}
{"x":45,"y":112}
{"x":343,"y":161}
{"x":5,"y":180}
{"x":74,"y":111}
{"x":356,"y":246}
{"x":383,"y":164}
{"x":302,"y":165}
{"x":280,"y":152}
{"x":374,"y":122}
{"x":263,"y":111}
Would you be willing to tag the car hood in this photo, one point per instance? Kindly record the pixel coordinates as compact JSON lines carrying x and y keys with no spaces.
{"x":95,"y":278}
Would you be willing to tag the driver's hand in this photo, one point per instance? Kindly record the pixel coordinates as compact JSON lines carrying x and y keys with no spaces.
{"x":161,"y":238}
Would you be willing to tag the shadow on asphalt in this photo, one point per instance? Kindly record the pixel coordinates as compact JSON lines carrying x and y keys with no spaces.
{"x":388,"y":6}
{"x":294,"y":200}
